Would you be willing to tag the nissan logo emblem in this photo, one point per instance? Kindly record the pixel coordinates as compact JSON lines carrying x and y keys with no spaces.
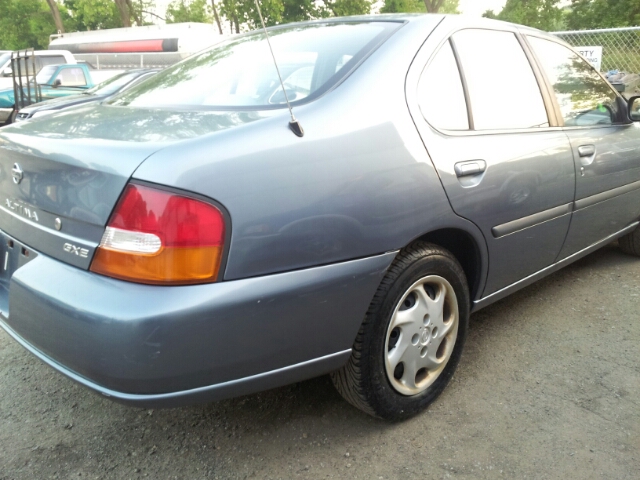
{"x":16,"y":173}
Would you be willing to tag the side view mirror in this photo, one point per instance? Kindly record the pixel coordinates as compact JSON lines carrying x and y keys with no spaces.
{"x":7,"y":72}
{"x":56,"y":83}
{"x":634,"y":108}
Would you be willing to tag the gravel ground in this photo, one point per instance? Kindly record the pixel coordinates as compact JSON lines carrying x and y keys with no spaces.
{"x":548,"y":387}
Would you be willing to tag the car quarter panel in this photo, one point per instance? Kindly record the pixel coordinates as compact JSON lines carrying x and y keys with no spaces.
{"x":358,"y":183}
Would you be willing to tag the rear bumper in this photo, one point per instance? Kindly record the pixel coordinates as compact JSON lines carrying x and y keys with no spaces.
{"x":168,"y":346}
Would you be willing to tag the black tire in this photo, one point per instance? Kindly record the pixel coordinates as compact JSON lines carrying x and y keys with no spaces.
{"x":363,"y":381}
{"x":630,"y":243}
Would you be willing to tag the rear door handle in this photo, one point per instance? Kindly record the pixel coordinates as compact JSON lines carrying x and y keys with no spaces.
{"x":587,"y":154}
{"x":472,"y":167}
{"x":586,"y":150}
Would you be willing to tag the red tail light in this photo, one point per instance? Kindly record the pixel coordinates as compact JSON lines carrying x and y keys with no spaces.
{"x":159,"y":237}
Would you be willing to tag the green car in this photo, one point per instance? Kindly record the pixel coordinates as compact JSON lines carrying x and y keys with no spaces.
{"x":54,"y":81}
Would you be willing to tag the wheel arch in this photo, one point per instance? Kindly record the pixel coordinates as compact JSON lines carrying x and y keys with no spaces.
{"x":468,"y":251}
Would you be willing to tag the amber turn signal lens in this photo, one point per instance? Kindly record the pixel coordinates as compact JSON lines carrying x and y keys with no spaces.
{"x":161,"y":238}
{"x":170,"y":266}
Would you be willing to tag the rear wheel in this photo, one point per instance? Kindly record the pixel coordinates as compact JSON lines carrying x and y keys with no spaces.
{"x":412,"y":337}
{"x":630,"y":243}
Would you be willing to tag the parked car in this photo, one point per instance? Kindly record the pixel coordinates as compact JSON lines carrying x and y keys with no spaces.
{"x":42,"y":58}
{"x":116,"y":84}
{"x":189,"y":240}
{"x":53,"y":81}
{"x":29,"y":66}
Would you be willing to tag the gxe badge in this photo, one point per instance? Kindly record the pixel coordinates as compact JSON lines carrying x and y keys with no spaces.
{"x":81,"y":252}
{"x":17,"y":173}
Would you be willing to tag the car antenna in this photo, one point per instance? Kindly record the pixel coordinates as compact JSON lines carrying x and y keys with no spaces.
{"x":294,"y":124}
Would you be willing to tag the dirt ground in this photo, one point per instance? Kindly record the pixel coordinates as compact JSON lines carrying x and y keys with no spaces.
{"x":548,"y":387}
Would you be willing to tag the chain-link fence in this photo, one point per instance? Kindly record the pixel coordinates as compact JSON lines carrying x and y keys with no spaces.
{"x":620,"y":47}
{"x":613,"y":51}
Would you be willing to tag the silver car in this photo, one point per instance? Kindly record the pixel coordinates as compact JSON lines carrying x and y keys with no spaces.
{"x":188,"y":240}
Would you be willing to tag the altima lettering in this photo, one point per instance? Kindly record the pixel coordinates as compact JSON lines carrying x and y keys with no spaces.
{"x":81,"y":252}
{"x":22,"y":210}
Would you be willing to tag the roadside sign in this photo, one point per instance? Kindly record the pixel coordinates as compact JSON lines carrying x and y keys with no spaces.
{"x":593,"y":55}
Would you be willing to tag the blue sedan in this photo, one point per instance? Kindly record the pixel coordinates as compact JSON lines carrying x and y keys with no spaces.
{"x":190,"y":239}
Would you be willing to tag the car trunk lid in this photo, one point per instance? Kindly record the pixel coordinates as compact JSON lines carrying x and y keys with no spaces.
{"x":57,"y":199}
{"x":61,"y":176}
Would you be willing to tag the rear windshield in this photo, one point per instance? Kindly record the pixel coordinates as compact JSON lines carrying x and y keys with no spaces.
{"x":45,"y":74}
{"x":240,"y":73}
{"x":114,"y":84}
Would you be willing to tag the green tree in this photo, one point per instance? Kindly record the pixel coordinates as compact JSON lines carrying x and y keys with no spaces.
{"x":92,"y":15}
{"x":413,"y":6}
{"x":343,"y":8}
{"x":55,"y":14}
{"x":133,"y":10}
{"x":124,"y":12}
{"x":490,"y":14}
{"x":188,"y":11}
{"x":243,"y":13}
{"x":542,"y":14}
{"x":301,"y":10}
{"x":214,"y":8}
{"x":433,"y":6}
{"x":589,"y":14}
{"x":26,"y":24}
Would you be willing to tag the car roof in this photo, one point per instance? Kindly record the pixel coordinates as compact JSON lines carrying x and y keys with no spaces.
{"x":417,"y":18}
{"x":384,"y":17}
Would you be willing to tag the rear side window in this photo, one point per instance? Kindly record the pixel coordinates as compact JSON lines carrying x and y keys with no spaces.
{"x":585,"y":99}
{"x":72,"y":77}
{"x":503,"y":89}
{"x":440,"y":93}
{"x":240,"y":72}
{"x":113,"y":84}
{"x":45,"y":74}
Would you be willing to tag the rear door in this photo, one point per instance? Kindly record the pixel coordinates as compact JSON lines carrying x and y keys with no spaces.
{"x":484,"y":114}
{"x":605,"y":144}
